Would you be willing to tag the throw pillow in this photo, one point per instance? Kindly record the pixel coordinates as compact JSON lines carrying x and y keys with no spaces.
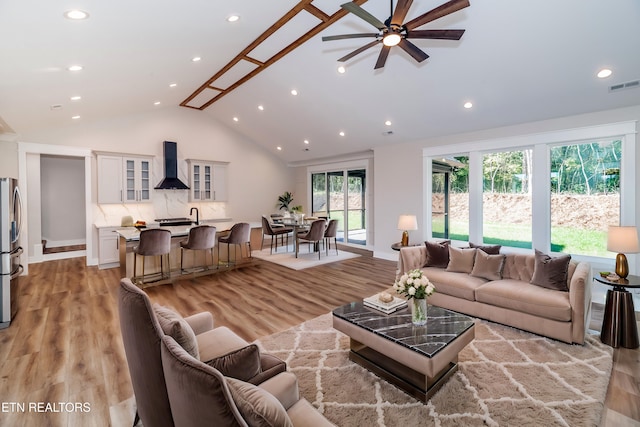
{"x":437,"y":254}
{"x":551,"y":272}
{"x":461,"y":260}
{"x":175,"y":326}
{"x":488,"y":249}
{"x":488,"y":266}
{"x":258,"y":407}
{"x":242,"y":364}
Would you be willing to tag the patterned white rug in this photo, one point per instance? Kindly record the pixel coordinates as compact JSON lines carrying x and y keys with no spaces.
{"x":305,"y":258}
{"x":506,"y":377}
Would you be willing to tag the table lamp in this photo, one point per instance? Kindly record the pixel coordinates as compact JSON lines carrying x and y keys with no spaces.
{"x":406,"y":223}
{"x":622,"y":239}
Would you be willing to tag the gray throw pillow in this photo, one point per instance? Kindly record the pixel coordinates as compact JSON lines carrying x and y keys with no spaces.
{"x":258,"y":407}
{"x":551,"y":273}
{"x":461,"y":260}
{"x":176,"y":327}
{"x":488,"y":266}
{"x":488,"y":249}
{"x":437,"y":254}
{"x":242,"y":364}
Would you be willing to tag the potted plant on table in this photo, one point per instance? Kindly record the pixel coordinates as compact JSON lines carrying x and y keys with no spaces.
{"x":416,"y":287}
{"x":284,"y":201}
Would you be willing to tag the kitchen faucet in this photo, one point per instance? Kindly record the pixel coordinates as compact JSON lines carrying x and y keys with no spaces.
{"x":197,"y":215}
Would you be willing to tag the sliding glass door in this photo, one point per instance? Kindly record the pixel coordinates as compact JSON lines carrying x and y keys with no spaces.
{"x":340,"y":195}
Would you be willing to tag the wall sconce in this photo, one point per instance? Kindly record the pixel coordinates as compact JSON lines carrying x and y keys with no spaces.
{"x":406,"y":223}
{"x":623,"y":239}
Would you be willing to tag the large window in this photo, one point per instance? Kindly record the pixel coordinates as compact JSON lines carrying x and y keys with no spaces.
{"x":506,"y":199}
{"x":585,"y":196}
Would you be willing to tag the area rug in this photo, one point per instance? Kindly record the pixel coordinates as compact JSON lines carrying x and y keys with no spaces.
{"x":304,"y":260}
{"x":506,"y":377}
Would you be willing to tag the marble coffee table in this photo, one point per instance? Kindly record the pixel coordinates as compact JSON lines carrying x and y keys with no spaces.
{"x":417,"y":359}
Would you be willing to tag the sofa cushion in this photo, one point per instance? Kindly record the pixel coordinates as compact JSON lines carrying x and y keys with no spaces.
{"x":461,"y":260}
{"x":175,"y":326}
{"x":488,"y":266}
{"x":218,"y":342}
{"x":518,"y":267}
{"x":258,"y":407}
{"x":242,"y":364}
{"x":437,"y":254}
{"x":551,"y":272}
{"x":488,"y":249}
{"x":459,"y":285}
{"x":527,"y":298}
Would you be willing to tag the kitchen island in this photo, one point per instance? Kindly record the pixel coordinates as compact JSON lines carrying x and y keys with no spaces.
{"x":193,"y":260}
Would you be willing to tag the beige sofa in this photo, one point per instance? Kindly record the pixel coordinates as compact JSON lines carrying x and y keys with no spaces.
{"x":511,"y":300}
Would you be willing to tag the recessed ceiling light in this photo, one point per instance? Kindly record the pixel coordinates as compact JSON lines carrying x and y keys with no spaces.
{"x":260,"y":107}
{"x":74,"y":68}
{"x":468,"y":105}
{"x":76,"y":14}
{"x":235,"y":119}
{"x":294,"y":92}
{"x":279,"y":148}
{"x":75,"y":98}
{"x":388,"y":123}
{"x":173,"y":84}
{"x":342,"y":69}
{"x":233,"y":18}
{"x":156,"y":103}
{"x":604,"y":73}
{"x":306,"y":141}
{"x":341,"y":133}
{"x":75,"y":117}
{"x":196,"y":59}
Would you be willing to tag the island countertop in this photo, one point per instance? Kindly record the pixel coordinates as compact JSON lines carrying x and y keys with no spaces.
{"x":131,"y":234}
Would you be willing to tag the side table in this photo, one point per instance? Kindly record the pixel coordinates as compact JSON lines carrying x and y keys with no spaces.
{"x":398,"y":245}
{"x":619,"y":327}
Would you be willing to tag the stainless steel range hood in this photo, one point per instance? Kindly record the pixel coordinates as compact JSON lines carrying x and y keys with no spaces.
{"x":171,"y":181}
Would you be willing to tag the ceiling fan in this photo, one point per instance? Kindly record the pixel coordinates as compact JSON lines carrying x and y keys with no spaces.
{"x":393,"y":32}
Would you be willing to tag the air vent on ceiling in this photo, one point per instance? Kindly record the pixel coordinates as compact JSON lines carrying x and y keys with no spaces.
{"x":55,"y":107}
{"x":387,"y":133}
{"x":627,"y":85}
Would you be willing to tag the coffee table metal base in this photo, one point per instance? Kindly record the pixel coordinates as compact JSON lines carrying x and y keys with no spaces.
{"x":414,"y":383}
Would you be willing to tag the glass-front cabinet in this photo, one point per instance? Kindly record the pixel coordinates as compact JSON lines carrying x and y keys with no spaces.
{"x":137,"y":180}
{"x":207,"y":181}
{"x":124,"y":178}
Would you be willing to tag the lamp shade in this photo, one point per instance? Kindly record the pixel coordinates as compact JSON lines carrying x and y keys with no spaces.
{"x":623,"y":239}
{"x":407,"y":222}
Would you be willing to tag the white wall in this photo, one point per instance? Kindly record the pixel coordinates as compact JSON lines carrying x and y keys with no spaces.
{"x":398,"y":171}
{"x":62,"y":200}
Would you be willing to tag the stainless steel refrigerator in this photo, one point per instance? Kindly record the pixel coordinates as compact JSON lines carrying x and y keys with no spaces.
{"x":10,"y":249}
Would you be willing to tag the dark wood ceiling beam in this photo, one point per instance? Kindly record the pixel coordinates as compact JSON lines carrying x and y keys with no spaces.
{"x":254,"y":61}
{"x":303,"y":5}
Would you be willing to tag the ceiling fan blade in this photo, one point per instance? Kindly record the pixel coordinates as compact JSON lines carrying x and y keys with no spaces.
{"x":440,"y":11}
{"x":382,"y":58}
{"x":413,"y":50}
{"x":402,"y":7}
{"x":349,"y":36}
{"x":435,"y":34}
{"x":359,"y":50}
{"x":363,"y":14}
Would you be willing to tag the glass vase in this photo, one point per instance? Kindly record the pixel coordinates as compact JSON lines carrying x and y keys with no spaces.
{"x":419,"y":311}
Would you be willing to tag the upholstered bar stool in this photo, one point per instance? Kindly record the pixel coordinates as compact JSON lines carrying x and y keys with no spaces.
{"x":201,"y":238}
{"x":153,"y":242}
{"x":239,"y":235}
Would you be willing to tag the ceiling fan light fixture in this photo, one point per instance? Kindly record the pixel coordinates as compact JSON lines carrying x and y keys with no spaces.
{"x":391,"y":39}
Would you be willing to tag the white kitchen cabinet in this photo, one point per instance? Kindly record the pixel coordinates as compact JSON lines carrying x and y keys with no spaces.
{"x":124,"y":178}
{"x":108,"y":248}
{"x":207,"y":181}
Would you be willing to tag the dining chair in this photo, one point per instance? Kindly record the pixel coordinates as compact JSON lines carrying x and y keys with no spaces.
{"x":314,"y":235}
{"x":240,"y":235}
{"x":329,"y":233}
{"x":269,"y":229}
{"x":201,"y":238}
{"x":153,"y":242}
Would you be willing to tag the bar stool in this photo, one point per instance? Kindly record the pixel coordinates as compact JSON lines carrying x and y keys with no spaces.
{"x":153,"y":242}
{"x":239,"y":235}
{"x":200,"y":238}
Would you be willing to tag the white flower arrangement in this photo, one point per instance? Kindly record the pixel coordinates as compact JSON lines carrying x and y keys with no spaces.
{"x":414,"y":284}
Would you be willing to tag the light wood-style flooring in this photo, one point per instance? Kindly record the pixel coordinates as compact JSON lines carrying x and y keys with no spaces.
{"x":64,"y":346}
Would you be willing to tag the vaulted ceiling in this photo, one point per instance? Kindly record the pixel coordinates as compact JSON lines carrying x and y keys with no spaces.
{"x":518,"y":61}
